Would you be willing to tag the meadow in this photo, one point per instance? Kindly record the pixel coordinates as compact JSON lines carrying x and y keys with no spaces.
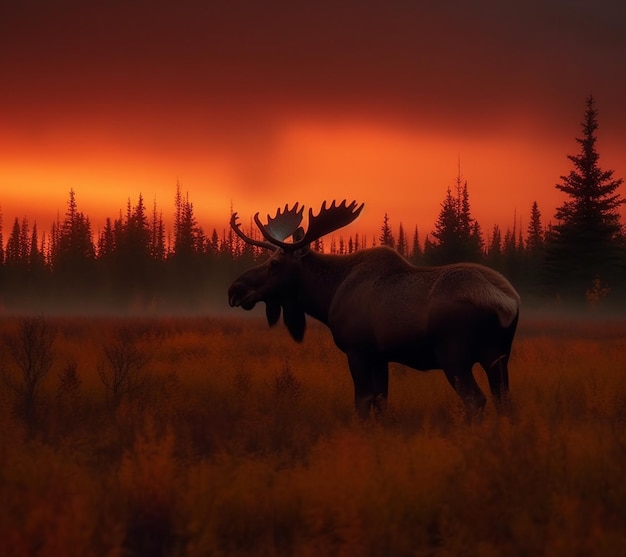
{"x":218,"y":436}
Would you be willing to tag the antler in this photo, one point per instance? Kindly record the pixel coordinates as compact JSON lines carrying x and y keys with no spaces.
{"x":284,"y":224}
{"x":328,"y":220}
{"x":236,"y":226}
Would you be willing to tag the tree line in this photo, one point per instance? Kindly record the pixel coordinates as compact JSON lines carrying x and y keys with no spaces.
{"x":135,"y":263}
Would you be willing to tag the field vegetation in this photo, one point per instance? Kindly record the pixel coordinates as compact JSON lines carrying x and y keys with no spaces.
{"x":216,"y":436}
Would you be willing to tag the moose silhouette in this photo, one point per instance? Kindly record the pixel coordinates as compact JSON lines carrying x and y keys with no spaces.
{"x":380,"y":308}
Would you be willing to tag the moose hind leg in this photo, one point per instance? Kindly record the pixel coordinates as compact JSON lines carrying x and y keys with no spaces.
{"x":463,"y":382}
{"x":371,"y":383}
{"x":498,"y":375}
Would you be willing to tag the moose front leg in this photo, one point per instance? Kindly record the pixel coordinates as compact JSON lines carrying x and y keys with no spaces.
{"x":371,"y":383}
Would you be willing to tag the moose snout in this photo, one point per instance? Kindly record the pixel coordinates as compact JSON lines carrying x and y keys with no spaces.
{"x":234,"y":294}
{"x":241,"y":295}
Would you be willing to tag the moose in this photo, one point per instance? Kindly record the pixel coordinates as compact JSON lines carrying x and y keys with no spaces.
{"x":380,"y":308}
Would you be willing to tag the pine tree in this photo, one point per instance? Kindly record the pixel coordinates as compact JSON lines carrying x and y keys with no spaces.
{"x":458,"y":235}
{"x":448,"y":247}
{"x":386,"y":236}
{"x":1,"y":241}
{"x":213,"y":246}
{"x":36,"y":261}
{"x":14,"y":244}
{"x":157,"y":235}
{"x":416,"y":250}
{"x":534,"y":251}
{"x":535,"y":233}
{"x":402,"y":243}
{"x":584,"y":244}
{"x":106,"y":241}
{"x":429,"y":248}
{"x":73,"y":252}
{"x":494,"y":251}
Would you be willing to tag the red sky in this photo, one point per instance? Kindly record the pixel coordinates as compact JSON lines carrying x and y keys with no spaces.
{"x":263,"y":103}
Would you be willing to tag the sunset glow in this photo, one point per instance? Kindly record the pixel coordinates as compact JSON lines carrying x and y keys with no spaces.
{"x":244,"y":111}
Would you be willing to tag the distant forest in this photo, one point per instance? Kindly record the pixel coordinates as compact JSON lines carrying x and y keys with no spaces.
{"x":134,"y":264}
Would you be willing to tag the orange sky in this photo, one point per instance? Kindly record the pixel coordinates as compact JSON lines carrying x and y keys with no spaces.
{"x":260,"y":104}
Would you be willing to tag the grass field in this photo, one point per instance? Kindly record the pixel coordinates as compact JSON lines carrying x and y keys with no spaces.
{"x":219,"y":436}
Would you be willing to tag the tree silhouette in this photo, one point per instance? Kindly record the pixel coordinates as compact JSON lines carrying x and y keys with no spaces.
{"x":535,"y":250}
{"x":416,"y":250}
{"x":585,"y":241}
{"x":494,"y":249}
{"x":74,"y":244}
{"x":458,"y":235}
{"x":535,"y":232}
{"x":1,"y":241}
{"x":15,"y":248}
{"x":386,"y":236}
{"x":402,"y":246}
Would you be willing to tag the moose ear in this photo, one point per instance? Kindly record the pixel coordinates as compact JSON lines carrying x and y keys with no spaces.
{"x":295,"y":321}
{"x":272,"y":312}
{"x":297,"y":236}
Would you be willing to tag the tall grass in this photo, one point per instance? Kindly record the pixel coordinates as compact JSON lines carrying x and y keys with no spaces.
{"x":241,"y":442}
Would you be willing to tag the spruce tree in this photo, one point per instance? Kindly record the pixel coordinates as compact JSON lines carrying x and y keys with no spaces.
{"x":534,"y":234}
{"x":1,"y":241}
{"x":402,"y":243}
{"x":534,"y":252}
{"x":448,"y":248}
{"x":386,"y":236}
{"x":584,"y":244}
{"x":416,"y":251}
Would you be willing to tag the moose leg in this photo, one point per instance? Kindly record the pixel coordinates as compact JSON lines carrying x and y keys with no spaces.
{"x":463,"y":382}
{"x":371,"y":383}
{"x":498,"y":375}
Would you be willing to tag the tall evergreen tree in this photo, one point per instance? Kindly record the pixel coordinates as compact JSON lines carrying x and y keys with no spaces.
{"x":36,"y":260}
{"x":494,"y":249}
{"x":416,"y":250}
{"x":535,"y":233}
{"x":14,"y":245}
{"x":585,"y":241}
{"x":386,"y":236}
{"x":448,"y":247}
{"x":74,"y":242}
{"x":157,"y":235}
{"x":73,"y":255}
{"x":402,"y":246}
{"x":1,"y":241}
{"x":458,"y":235}
{"x":534,"y":252}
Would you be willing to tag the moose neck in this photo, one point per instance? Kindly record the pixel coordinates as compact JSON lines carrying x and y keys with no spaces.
{"x":321,"y":276}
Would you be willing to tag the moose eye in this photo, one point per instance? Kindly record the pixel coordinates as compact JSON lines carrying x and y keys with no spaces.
{"x":273,"y":264}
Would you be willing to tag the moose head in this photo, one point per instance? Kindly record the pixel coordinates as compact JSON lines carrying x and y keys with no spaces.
{"x":277,"y":281}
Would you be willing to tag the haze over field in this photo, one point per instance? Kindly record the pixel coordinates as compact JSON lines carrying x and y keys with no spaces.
{"x":263,"y":103}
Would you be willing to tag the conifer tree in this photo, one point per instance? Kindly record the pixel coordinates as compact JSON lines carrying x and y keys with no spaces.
{"x":448,"y":248}
{"x":157,"y":235}
{"x":386,"y":236}
{"x":458,"y":235}
{"x":494,"y":250}
{"x":35,"y":256}
{"x":584,"y":243}
{"x":14,"y":244}
{"x":416,"y":250}
{"x":1,"y":241}
{"x":402,"y":243}
{"x":535,"y":233}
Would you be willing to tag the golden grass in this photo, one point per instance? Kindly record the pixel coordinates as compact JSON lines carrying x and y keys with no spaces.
{"x":245,"y":443}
